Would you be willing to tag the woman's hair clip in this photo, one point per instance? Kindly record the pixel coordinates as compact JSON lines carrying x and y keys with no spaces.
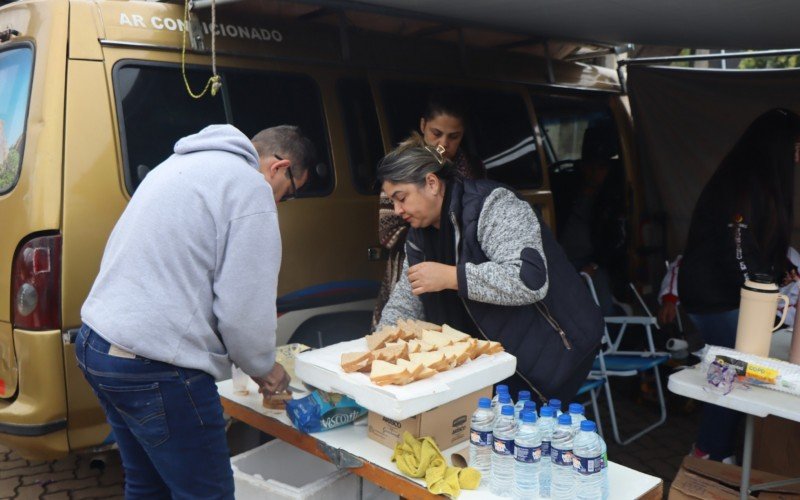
{"x":437,"y":152}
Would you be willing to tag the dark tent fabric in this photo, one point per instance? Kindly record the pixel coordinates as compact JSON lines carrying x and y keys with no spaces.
{"x":687,"y":119}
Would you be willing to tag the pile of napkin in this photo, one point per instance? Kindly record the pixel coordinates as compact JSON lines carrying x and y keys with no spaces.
{"x":422,"y":458}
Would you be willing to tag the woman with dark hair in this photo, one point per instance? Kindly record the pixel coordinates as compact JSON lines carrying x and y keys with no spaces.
{"x":740,"y":227}
{"x":441,"y":125}
{"x":478,"y":259}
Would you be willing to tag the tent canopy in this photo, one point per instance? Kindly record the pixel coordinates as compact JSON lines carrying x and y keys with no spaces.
{"x":723,"y":24}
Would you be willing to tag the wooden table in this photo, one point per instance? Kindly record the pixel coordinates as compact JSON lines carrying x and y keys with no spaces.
{"x":350,"y":447}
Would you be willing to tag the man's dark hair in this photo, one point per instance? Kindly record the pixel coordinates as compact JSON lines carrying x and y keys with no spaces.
{"x":287,"y":141}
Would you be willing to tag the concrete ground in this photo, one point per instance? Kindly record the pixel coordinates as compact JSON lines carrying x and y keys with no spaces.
{"x":72,"y":478}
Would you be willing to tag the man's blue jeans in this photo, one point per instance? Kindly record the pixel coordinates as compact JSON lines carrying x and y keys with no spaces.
{"x":167,"y":421}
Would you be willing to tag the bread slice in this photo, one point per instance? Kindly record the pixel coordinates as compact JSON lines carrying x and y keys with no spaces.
{"x":482,"y":347}
{"x":414,"y":346}
{"x":461,"y":351}
{"x":428,"y":358}
{"x":392,"y":352}
{"x":437,"y":339}
{"x":454,"y":334}
{"x":426,"y":373}
{"x":428,"y":326}
{"x":378,"y":339}
{"x":494,"y":347}
{"x":355,"y":361}
{"x":384,"y":373}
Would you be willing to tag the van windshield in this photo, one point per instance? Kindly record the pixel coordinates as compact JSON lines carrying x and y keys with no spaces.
{"x":16,"y":68}
{"x":155,"y":111}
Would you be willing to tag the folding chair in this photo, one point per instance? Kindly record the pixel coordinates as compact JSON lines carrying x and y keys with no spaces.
{"x":616,"y":363}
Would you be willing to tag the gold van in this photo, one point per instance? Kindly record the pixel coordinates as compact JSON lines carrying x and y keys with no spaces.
{"x":92,"y":98}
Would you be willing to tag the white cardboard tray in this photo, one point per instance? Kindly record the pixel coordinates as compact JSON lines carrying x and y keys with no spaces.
{"x":321,"y":368}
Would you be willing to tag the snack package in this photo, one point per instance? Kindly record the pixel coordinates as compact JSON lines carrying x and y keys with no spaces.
{"x":320,"y":411}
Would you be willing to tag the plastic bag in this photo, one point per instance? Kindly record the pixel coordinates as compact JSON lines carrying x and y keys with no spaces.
{"x":320,"y":411}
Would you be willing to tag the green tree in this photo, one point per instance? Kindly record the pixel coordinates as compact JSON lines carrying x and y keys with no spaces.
{"x":769,"y":62}
{"x":9,"y":169}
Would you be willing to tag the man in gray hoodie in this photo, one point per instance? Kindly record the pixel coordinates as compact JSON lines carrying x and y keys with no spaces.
{"x":187,"y":285}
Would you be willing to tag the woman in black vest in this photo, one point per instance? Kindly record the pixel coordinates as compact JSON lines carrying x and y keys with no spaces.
{"x":478,"y":259}
{"x":741,"y":226}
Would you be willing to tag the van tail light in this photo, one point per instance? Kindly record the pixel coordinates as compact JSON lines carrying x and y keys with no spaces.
{"x":36,"y":284}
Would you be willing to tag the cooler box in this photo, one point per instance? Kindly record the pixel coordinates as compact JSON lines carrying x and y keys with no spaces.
{"x":321,"y":368}
{"x":278,"y":470}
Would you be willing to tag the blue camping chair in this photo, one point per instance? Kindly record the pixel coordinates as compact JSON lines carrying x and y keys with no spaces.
{"x":613,"y":362}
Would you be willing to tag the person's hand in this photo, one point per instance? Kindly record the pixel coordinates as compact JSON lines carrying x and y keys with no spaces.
{"x":277,"y":380}
{"x":427,"y":277}
{"x":667,"y":312}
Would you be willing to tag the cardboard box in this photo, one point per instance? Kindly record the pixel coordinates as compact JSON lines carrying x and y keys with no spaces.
{"x":775,"y":444}
{"x":448,"y":424}
{"x":699,"y":479}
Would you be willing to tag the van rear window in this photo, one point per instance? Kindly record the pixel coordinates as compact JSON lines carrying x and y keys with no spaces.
{"x":499,"y":130}
{"x":16,"y":69}
{"x":155,"y":111}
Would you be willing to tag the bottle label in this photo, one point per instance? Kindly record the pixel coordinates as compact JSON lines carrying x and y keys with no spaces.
{"x":560,"y":457}
{"x":480,"y":438}
{"x":588,"y":466}
{"x":605,"y":460}
{"x":528,"y":455}
{"x":546,"y":449}
{"x":503,"y":446}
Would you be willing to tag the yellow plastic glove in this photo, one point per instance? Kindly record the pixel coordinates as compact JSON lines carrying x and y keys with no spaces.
{"x":422,"y":458}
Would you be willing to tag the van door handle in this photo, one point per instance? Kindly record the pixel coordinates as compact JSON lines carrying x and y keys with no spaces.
{"x":376,"y":254}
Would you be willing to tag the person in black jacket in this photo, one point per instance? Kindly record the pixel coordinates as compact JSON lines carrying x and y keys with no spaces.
{"x":478,"y":259}
{"x":741,"y":226}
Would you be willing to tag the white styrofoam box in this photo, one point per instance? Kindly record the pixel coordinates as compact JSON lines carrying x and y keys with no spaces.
{"x":278,"y":470}
{"x":321,"y":368}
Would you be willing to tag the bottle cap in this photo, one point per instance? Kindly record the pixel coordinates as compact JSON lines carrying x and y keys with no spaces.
{"x":555,"y":403}
{"x":504,"y":398}
{"x":501,"y":388}
{"x":524,"y":395}
{"x":484,"y":403}
{"x":588,"y":425}
{"x":507,"y":410}
{"x":547,"y":411}
{"x":529,"y":406}
{"x":576,"y":408}
{"x":564,"y":419}
{"x":528,"y":416}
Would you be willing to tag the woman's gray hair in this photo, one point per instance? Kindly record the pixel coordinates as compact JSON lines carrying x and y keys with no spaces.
{"x":411,"y":162}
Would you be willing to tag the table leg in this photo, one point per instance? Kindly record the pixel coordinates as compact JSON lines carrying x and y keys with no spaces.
{"x":747,"y":460}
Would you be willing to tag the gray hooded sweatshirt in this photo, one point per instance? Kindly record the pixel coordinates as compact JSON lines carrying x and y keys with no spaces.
{"x":189,"y":275}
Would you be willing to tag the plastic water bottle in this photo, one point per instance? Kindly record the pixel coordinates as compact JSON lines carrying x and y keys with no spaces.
{"x":529,"y":406}
{"x":523,"y":396}
{"x":546,"y":425}
{"x":588,"y":463}
{"x":503,"y":452}
{"x":503,"y":400}
{"x":562,"y":477}
{"x":498,"y":389}
{"x":604,"y":450}
{"x":480,"y":439}
{"x":528,"y":455}
{"x":556,"y":405}
{"x":576,"y":411}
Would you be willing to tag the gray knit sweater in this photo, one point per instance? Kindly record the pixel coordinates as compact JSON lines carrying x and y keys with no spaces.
{"x":506,"y":226}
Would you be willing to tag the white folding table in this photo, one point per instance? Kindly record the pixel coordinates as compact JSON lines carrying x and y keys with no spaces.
{"x":752,"y":401}
{"x":349,"y":447}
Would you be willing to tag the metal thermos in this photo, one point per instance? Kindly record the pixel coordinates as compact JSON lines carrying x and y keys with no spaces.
{"x":757,"y":309}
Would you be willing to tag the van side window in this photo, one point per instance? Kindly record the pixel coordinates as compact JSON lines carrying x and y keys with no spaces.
{"x":155,"y":111}
{"x":16,"y":69}
{"x":362,"y":132}
{"x":499,"y":130}
{"x":260,"y":100}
